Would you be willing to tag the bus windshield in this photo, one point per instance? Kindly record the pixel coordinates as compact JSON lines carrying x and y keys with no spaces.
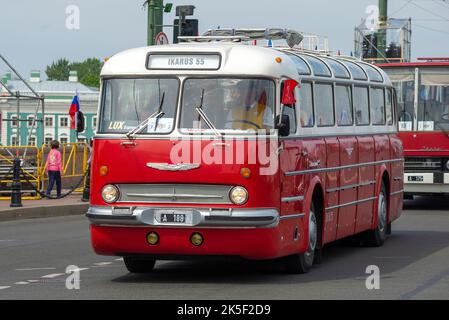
{"x":126,"y":103}
{"x":232,"y":106}
{"x":432,"y":98}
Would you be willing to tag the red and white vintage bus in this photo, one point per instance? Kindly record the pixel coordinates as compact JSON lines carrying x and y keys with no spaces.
{"x":222,"y":149}
{"x":423,"y":113}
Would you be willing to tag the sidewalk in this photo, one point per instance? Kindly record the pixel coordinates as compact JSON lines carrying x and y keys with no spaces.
{"x":32,"y":209}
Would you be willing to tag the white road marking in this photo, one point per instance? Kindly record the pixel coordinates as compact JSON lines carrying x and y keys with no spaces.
{"x":102,"y":263}
{"x":4,"y":287}
{"x":8,"y":240}
{"x":119,"y":259}
{"x":32,"y":281}
{"x":53,"y":275}
{"x":80,"y":269}
{"x":33,"y":269}
{"x":22,"y":282}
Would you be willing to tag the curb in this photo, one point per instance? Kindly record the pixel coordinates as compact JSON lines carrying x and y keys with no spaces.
{"x":43,"y":212}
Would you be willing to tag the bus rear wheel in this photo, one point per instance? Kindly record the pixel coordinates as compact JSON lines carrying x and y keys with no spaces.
{"x":376,"y":237}
{"x":139,"y":265}
{"x":301,"y":263}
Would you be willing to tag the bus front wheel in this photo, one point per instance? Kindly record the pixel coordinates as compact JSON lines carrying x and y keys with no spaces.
{"x":301,"y":263}
{"x":139,"y":265}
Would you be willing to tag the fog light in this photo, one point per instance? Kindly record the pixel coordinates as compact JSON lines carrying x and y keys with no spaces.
{"x":110,"y":193}
{"x":238,"y":195}
{"x":153,"y":238}
{"x":196,"y":239}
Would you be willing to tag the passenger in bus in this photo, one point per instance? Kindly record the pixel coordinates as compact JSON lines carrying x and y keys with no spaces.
{"x":253,"y":114}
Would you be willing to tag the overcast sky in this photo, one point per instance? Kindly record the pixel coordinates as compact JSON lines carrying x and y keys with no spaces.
{"x":34,"y":32}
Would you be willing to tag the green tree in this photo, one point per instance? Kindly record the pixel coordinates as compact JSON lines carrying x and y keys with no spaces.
{"x":58,"y":70}
{"x":88,"y":71}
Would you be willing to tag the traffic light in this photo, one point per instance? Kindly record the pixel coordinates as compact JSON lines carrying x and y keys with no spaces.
{"x":189,"y":28}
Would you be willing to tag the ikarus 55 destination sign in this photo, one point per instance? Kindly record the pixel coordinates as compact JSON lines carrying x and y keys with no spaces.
{"x":184,"y":61}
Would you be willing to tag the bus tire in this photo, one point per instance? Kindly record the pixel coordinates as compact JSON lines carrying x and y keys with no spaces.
{"x":301,"y":263}
{"x":376,"y":237}
{"x":139,"y":265}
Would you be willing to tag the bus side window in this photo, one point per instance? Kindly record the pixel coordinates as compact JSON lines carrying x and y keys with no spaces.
{"x":343,"y":105}
{"x":324,"y":104}
{"x":377,"y":106}
{"x":306,"y":117}
{"x":361,"y":106}
{"x":389,"y":107}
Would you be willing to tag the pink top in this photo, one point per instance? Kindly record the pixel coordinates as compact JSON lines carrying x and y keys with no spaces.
{"x":54,"y":161}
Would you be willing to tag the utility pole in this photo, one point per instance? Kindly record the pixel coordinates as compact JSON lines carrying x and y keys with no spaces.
{"x":382,"y":32}
{"x":155,"y":19}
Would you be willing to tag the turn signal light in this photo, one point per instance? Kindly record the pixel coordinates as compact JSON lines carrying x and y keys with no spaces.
{"x":278,"y":59}
{"x":103,"y":170}
{"x":245,"y":173}
{"x":196,"y":239}
{"x":153,"y":238}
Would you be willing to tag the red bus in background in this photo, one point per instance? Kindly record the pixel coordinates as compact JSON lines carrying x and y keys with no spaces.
{"x":229,"y":150}
{"x":423,"y":112}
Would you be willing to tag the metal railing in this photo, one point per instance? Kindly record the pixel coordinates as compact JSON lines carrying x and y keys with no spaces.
{"x":74,"y":158}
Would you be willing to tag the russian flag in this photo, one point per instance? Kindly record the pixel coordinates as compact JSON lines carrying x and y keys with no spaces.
{"x":74,"y":108}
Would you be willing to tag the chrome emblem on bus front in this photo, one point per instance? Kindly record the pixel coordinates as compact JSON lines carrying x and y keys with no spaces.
{"x":173,"y":167}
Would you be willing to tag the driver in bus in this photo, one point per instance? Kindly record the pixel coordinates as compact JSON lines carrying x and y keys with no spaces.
{"x":253,"y":114}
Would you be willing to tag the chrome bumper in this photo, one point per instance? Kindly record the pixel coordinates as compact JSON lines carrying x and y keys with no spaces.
{"x":200,"y":217}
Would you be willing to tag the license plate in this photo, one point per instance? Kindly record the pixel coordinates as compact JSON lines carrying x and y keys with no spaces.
{"x":174,"y":217}
{"x":416,"y":178}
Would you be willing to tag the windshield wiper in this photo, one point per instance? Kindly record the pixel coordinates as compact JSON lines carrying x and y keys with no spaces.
{"x":158,"y":114}
{"x":202,"y":115}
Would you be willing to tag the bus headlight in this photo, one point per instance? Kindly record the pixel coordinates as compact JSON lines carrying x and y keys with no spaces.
{"x":110,"y":193}
{"x":238,"y":195}
{"x":447,"y":164}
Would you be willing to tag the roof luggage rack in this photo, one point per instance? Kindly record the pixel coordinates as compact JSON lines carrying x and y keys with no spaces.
{"x":292,"y":37}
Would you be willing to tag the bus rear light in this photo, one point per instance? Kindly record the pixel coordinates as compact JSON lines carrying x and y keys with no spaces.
{"x":238,"y":195}
{"x":103,"y":170}
{"x":245,"y":173}
{"x":110,"y":193}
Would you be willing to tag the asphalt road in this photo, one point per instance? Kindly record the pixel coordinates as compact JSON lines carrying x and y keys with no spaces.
{"x":413,"y":264}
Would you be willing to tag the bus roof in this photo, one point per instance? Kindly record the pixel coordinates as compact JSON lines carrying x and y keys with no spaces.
{"x":236,"y":59}
{"x":241,"y":59}
{"x":414,"y":64}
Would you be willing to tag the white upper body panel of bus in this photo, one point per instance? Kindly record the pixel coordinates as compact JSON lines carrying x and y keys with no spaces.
{"x":236,"y":59}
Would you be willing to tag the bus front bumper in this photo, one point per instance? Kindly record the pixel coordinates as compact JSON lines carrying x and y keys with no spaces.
{"x":194,"y":217}
{"x":426,"y":183}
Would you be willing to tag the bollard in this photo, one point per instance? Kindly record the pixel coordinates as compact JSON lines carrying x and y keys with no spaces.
{"x":16,"y":193}
{"x":86,"y":191}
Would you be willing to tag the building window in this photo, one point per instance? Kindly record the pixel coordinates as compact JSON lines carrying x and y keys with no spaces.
{"x":94,"y":123}
{"x":30,"y":121}
{"x":64,"y":122}
{"x":32,"y":141}
{"x":48,"y":140}
{"x":14,"y":121}
{"x":63,"y":140}
{"x":49,"y":121}
{"x":81,"y":139}
{"x":14,"y":141}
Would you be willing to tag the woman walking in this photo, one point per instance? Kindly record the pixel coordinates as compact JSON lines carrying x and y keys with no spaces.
{"x":54,"y":168}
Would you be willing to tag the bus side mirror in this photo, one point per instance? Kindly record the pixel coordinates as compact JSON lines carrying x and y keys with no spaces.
{"x":283,"y":125}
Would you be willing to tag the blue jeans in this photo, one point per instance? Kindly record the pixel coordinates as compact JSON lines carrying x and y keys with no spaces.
{"x":54,"y":176}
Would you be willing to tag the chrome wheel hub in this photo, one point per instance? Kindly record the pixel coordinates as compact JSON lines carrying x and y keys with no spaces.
{"x":312,"y":233}
{"x":382,"y":212}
